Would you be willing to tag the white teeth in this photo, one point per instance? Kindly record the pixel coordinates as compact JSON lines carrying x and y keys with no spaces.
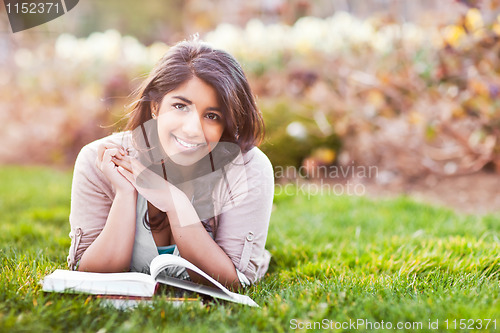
{"x":187,"y":145}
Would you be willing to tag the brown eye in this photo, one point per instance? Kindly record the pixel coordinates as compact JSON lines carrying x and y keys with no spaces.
{"x":180,"y":106}
{"x":213,"y":116}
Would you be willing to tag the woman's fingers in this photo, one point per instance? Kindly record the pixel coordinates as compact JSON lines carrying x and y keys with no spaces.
{"x":109,"y":154}
{"x":124,"y":162}
{"x":142,"y":176}
{"x":150,"y":185}
{"x":101,"y":149}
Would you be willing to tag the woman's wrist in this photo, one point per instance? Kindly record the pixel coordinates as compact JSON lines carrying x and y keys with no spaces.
{"x":126,"y":192}
{"x":176,"y":199}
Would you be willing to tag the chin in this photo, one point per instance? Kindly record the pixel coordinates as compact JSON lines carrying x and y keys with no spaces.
{"x":187,"y":158}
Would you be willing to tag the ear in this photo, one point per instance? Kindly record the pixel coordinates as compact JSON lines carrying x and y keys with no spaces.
{"x":154,"y":109}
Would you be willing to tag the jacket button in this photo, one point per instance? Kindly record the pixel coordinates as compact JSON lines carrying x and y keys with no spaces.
{"x":78,"y":232}
{"x":250,"y":236}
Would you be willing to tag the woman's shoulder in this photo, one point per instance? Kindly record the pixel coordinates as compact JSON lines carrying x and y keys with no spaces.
{"x":123,"y":139}
{"x":255,"y":158}
{"x":87,"y":155}
{"x":88,"y":180}
{"x":258,"y":165}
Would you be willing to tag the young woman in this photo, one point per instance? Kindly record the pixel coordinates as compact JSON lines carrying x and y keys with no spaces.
{"x":185,"y":177}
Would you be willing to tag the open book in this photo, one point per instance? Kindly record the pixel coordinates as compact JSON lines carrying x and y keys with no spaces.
{"x":137,"y":284}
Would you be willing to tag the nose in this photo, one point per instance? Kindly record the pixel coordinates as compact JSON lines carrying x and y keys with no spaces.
{"x":192,"y":125}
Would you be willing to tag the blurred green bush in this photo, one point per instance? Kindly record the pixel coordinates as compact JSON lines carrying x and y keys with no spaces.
{"x":292,"y":134}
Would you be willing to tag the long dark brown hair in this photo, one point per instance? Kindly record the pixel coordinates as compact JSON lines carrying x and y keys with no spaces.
{"x":243,"y":121}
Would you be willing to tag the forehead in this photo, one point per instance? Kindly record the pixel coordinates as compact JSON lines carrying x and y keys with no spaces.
{"x":197,"y":91}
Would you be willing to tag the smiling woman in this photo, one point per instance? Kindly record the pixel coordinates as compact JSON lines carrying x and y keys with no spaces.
{"x":190,"y":122}
{"x":185,"y":177}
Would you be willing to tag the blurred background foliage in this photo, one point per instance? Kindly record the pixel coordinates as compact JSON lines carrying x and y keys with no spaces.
{"x":410,"y":86}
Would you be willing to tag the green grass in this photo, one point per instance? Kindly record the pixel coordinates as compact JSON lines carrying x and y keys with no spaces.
{"x":334,"y":258}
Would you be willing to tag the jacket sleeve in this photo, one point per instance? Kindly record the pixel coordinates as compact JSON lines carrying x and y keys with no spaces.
{"x":91,"y":198}
{"x":244,"y":222}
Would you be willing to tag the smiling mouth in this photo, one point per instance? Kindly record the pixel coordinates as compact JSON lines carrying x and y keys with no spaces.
{"x":187,"y":144}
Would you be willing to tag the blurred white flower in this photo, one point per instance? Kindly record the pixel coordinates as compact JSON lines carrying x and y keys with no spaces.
{"x":105,"y":46}
{"x":23,"y":58}
{"x":226,"y":37}
{"x":133,"y":51}
{"x":156,"y":51}
{"x":450,"y":168}
{"x":66,"y":45}
{"x":308,"y":33}
{"x":340,"y":32}
{"x":385,"y":37}
{"x":412,"y":34}
{"x":296,"y":130}
{"x":279,"y":36}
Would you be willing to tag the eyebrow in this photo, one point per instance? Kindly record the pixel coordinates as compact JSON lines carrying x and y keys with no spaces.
{"x":187,"y":101}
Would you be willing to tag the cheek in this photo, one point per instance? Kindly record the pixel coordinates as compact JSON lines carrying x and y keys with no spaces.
{"x":213,"y":132}
{"x":164,"y":130}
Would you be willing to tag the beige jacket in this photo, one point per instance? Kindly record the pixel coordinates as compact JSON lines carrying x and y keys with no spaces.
{"x":242,"y":227}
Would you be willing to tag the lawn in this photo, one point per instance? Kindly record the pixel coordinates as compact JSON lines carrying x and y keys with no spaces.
{"x":337,"y":261}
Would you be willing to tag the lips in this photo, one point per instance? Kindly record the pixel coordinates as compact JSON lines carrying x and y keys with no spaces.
{"x":187,"y":145}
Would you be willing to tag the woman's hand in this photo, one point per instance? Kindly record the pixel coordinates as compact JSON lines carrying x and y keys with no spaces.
{"x":154,"y":188}
{"x":109,"y":160}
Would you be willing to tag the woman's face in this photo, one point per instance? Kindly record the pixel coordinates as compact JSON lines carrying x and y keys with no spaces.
{"x":190,"y":122}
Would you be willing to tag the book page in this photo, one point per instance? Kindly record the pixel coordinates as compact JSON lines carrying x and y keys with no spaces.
{"x":129,"y":284}
{"x":159,"y":263}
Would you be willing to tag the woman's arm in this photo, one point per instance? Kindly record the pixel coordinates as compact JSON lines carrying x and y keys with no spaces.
{"x":243,"y":220}
{"x":243,"y":206}
{"x":111,"y":251}
{"x":196,"y":245}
